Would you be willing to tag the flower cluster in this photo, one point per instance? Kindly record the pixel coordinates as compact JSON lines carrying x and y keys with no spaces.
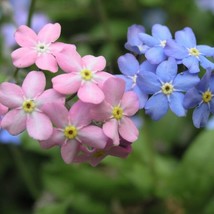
{"x":165,"y":72}
{"x":87,"y":111}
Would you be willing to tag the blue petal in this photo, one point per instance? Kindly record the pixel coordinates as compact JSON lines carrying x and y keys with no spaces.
{"x":148,"y":82}
{"x":128,"y":64}
{"x":201,"y":115}
{"x":172,"y":49}
{"x":205,"y":50}
{"x":176,"y":104}
{"x":205,"y":63}
{"x":141,"y":96}
{"x":147,"y":66}
{"x":6,"y":137}
{"x":212,"y":105}
{"x":186,"y":38}
{"x":192,"y":64}
{"x":129,"y":81}
{"x":203,"y":85}
{"x":192,"y":98}
{"x":157,"y":106}
{"x":211,"y":83}
{"x":185,"y":80}
{"x":155,"y":55}
{"x":167,"y":70}
{"x":161,"y":32}
{"x":148,"y":40}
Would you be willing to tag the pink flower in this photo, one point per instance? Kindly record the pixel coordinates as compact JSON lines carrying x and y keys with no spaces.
{"x":25,"y":106}
{"x":3,"y":110}
{"x":73,"y":130}
{"x":84,"y":77}
{"x":39,"y":49}
{"x":95,"y":156}
{"x":115,"y":111}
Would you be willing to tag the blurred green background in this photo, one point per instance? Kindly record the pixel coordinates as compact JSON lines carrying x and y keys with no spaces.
{"x":171,"y":168}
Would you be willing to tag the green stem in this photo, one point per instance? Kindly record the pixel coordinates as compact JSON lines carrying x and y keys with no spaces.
{"x":31,"y":11}
{"x":24,"y":172}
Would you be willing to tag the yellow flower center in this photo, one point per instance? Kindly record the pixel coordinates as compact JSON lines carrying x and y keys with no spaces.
{"x":117,"y":112}
{"x":167,"y":88}
{"x":70,"y":132}
{"x":98,"y":154}
{"x":207,"y":96}
{"x":86,"y":74}
{"x":194,"y":52}
{"x":28,"y":106}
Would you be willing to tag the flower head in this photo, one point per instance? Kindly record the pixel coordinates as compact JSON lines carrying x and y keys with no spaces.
{"x":25,"y":106}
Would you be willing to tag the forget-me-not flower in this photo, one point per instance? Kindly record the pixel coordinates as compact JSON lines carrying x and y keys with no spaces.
{"x":201,"y":98}
{"x":185,"y":50}
{"x":156,"y":43}
{"x":130,"y":69}
{"x":167,"y":89}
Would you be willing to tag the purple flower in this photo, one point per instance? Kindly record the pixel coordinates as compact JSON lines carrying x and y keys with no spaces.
{"x":201,"y":98}
{"x":130,"y":68}
{"x":185,"y":50}
{"x":133,"y":43}
{"x":166,"y":88}
{"x":156,"y":43}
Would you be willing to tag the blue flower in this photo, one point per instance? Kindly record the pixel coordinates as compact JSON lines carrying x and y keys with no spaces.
{"x":130,"y":69}
{"x":7,"y":138}
{"x":201,"y":98}
{"x":133,"y":43}
{"x":185,"y":50}
{"x":156,"y":43}
{"x":167,"y":89}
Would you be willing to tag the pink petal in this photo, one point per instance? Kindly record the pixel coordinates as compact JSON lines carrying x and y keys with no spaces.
{"x":11,"y":95}
{"x":90,"y":93}
{"x":101,"y":77}
{"x":114,"y":88}
{"x":69,"y":150}
{"x":92,"y":136}
{"x":34,"y":84}
{"x":120,"y":151}
{"x":39,"y":126}
{"x":79,"y":114}
{"x":14,"y":121}
{"x":110,"y":129}
{"x":58,"y":114}
{"x":69,"y":59}
{"x":128,"y":130}
{"x":25,"y":36}
{"x":57,"y":47}
{"x":50,"y":96}
{"x":49,"y":33}
{"x":130,"y":103}
{"x":3,"y":109}
{"x":94,"y":63}
{"x":57,"y":138}
{"x":66,"y":83}
{"x":47,"y":62}
{"x":23,"y":57}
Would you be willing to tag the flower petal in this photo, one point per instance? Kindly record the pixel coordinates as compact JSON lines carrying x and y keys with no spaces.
{"x":128,"y":64}
{"x":25,"y":36}
{"x":23,"y":57}
{"x":47,"y":62}
{"x":14,"y":122}
{"x":69,"y":150}
{"x":89,"y":92}
{"x":34,"y":84}
{"x":155,"y":55}
{"x":66,"y":83}
{"x":39,"y":126}
{"x":157,"y":106}
{"x":94,"y":63}
{"x":92,"y":136}
{"x":161,"y":32}
{"x":128,"y":130}
{"x":11,"y":95}
{"x":192,"y":98}
{"x":176,"y":104}
{"x":192,"y":64}
{"x":49,"y":33}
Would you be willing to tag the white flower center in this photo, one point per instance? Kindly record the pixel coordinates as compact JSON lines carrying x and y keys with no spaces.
{"x":42,"y":48}
{"x":163,"y":43}
{"x":193,"y":52}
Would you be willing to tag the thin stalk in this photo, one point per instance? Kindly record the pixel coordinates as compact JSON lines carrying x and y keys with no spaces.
{"x":31,"y":11}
